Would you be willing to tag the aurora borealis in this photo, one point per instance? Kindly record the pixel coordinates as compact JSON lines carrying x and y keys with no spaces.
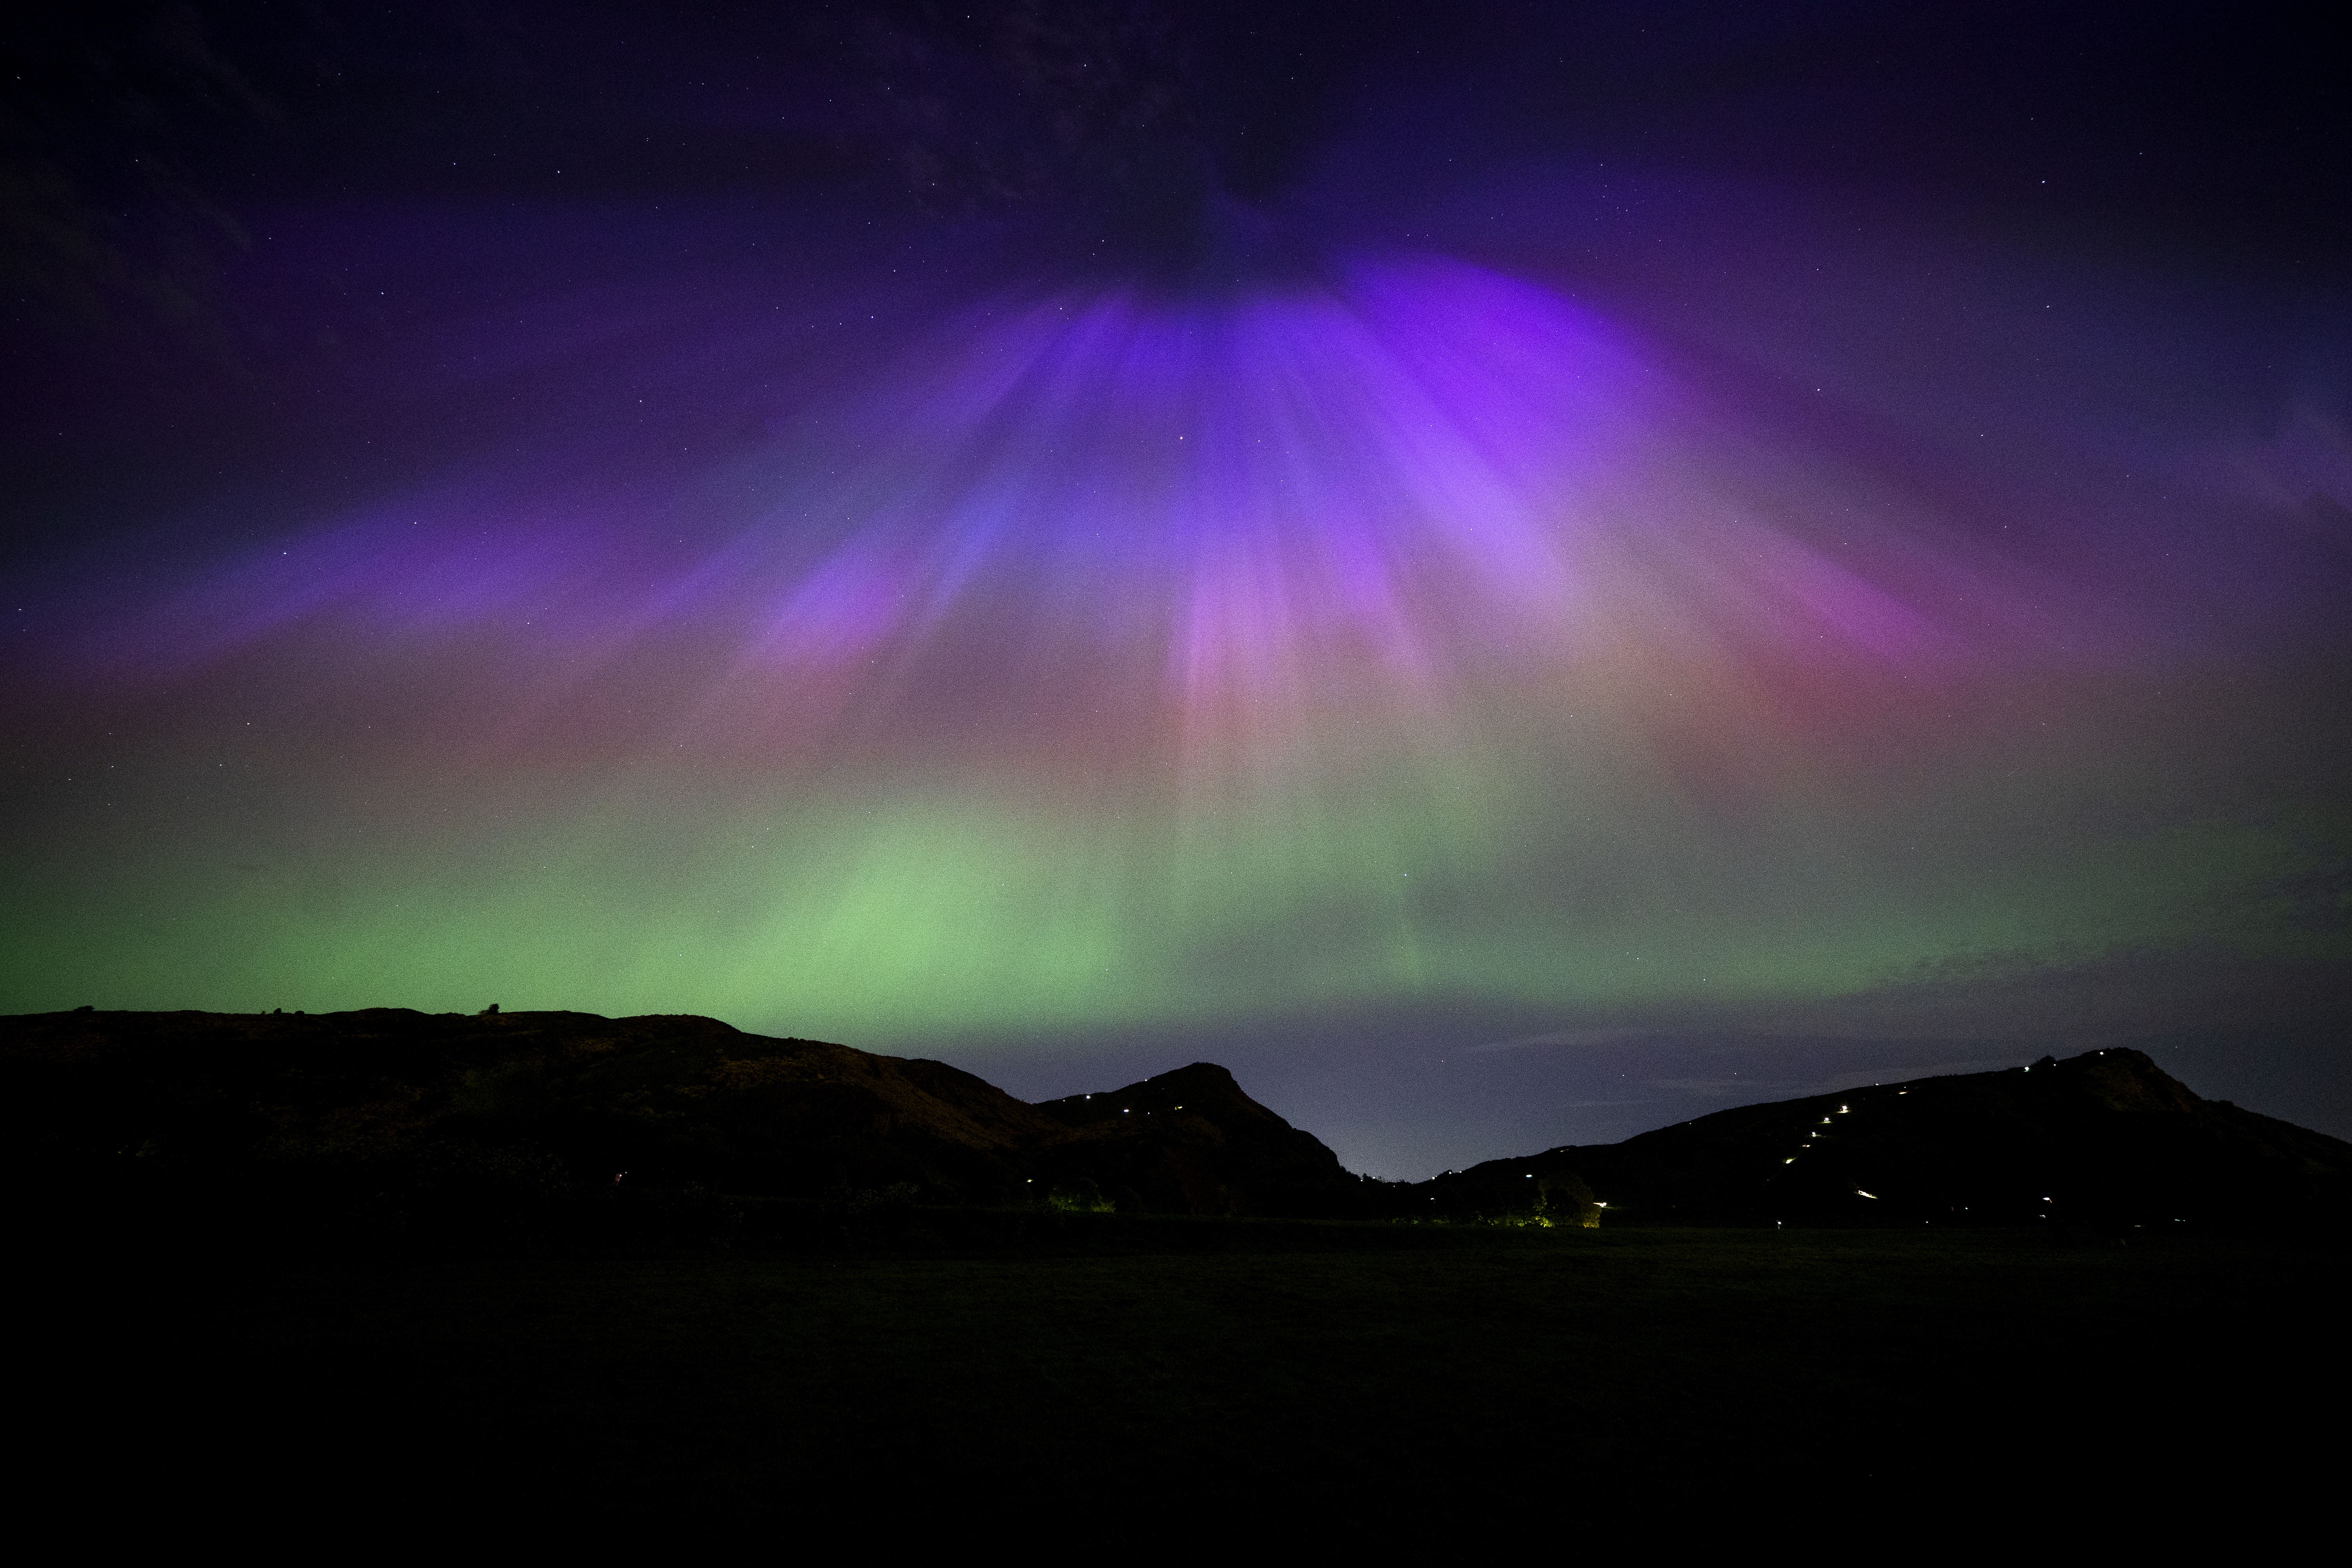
{"x":1473,"y":598}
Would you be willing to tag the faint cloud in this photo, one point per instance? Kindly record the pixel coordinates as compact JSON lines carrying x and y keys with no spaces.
{"x":1712,"y":1087}
{"x":2084,"y":1002}
{"x":1906,"y":1073}
{"x":1599,"y":1035}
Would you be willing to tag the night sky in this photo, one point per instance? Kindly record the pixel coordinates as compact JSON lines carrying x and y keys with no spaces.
{"x":1513,"y":573}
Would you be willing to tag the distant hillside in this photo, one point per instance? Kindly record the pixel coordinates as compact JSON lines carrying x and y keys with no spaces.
{"x":2105,"y":1139}
{"x":418,"y":1113}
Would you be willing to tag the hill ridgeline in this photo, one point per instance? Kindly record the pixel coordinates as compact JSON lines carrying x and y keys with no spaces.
{"x":390,"y":1116}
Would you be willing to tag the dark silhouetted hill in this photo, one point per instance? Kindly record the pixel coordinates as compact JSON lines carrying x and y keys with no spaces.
{"x":2107,"y":1140}
{"x":498,"y":1120}
{"x":1190,"y":1141}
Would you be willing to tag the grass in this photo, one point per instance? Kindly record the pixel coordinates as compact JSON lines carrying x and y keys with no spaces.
{"x":1662,"y":1368}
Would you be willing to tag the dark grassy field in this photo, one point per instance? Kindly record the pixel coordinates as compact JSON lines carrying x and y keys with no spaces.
{"x":1627,"y":1371}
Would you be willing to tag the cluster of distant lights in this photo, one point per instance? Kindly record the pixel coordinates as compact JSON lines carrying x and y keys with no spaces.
{"x":1816,"y":1132}
{"x":1859,"y":1192}
{"x":1862,"y":1192}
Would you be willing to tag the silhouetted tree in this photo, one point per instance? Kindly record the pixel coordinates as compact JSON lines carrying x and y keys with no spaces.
{"x":1565,"y":1200}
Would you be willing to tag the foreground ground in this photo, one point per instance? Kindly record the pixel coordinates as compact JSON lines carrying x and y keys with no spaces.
{"x":1571,"y":1369}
